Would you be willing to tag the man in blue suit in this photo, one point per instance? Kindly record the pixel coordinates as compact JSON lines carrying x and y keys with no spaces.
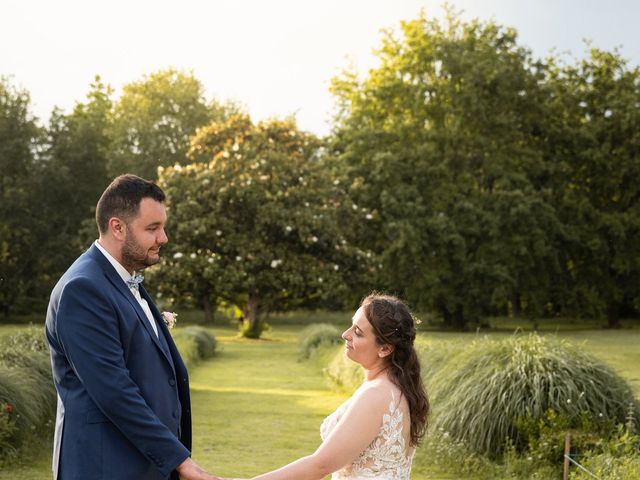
{"x":123,"y":390}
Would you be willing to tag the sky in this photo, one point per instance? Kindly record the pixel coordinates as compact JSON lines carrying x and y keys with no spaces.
{"x":276,"y":57}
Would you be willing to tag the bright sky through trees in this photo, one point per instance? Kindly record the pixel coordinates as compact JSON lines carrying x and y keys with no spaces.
{"x":275,"y":56}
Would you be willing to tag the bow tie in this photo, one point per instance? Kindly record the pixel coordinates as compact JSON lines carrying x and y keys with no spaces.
{"x":135,"y":280}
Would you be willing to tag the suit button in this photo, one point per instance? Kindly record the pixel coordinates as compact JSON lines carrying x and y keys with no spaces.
{"x":172,"y":382}
{"x":175,"y":414}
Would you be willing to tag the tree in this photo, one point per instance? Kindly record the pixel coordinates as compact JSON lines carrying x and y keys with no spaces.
{"x":19,"y":136}
{"x":593,"y":131}
{"x":440,"y":139}
{"x":153,"y":121}
{"x":72,"y":175}
{"x":263,"y":225}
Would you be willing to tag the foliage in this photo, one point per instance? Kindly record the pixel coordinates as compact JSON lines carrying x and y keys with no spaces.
{"x":46,"y":204}
{"x":593,"y":140}
{"x":317,"y":335}
{"x":453,"y":455}
{"x":462,"y":174}
{"x":8,"y":429}
{"x":154,"y":119}
{"x":344,"y":374}
{"x":263,"y":225}
{"x":30,"y":339}
{"x":441,"y":141}
{"x":617,"y":457}
{"x":27,"y":394}
{"x":498,"y":183}
{"x":52,"y":177}
{"x":19,"y":136}
{"x":610,"y":467}
{"x":304,"y":317}
{"x":76,"y":148}
{"x":456,"y":458}
{"x":497,"y":390}
{"x":255,"y":329}
{"x":194,"y":343}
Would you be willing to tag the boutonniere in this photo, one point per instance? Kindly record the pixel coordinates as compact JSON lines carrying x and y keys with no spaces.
{"x":170,"y":319}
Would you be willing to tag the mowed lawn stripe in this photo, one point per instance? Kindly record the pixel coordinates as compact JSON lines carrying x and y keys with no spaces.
{"x":256,"y":405}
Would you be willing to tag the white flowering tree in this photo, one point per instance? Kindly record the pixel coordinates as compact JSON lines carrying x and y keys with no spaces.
{"x":263,"y":224}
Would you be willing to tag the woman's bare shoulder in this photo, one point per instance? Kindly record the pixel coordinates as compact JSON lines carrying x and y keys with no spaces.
{"x":375,"y":393}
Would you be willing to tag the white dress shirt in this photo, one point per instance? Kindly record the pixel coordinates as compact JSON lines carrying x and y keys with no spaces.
{"x":134,"y":291}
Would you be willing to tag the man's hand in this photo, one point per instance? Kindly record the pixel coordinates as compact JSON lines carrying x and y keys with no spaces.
{"x":189,"y":470}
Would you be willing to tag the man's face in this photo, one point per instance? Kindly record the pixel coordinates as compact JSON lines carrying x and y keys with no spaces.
{"x":145,"y":235}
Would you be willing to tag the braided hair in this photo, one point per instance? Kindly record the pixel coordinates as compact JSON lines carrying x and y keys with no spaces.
{"x":393,"y":324}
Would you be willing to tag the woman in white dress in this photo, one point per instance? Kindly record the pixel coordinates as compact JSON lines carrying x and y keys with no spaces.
{"x":374,"y":434}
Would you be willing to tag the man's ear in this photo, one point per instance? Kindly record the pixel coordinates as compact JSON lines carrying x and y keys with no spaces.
{"x":385,"y":350}
{"x":117,"y":228}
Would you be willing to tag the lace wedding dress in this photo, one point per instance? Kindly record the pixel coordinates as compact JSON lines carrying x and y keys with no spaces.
{"x":386,"y":457}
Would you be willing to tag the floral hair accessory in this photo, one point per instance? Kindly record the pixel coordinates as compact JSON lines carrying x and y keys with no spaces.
{"x":170,"y":319}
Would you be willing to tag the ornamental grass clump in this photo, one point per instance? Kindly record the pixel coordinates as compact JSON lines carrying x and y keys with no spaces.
{"x":27,"y":394}
{"x":317,"y":335}
{"x":344,"y":374}
{"x":194,"y":344}
{"x":483,"y":392}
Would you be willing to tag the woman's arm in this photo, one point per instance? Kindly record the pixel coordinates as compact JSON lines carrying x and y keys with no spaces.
{"x":355,"y":431}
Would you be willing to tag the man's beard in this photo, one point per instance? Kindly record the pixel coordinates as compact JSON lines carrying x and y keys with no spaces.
{"x":135,"y":257}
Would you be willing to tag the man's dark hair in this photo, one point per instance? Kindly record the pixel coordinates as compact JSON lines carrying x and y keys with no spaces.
{"x":122,"y":199}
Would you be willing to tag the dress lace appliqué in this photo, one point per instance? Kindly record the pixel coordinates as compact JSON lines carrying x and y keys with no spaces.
{"x":385,"y":458}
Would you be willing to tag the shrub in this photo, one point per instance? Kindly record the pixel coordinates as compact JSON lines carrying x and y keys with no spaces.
{"x":205,"y":341}
{"x":30,"y":339}
{"x":609,"y":467}
{"x":253,"y":330}
{"x":27,"y":394}
{"x":492,"y":391}
{"x":617,"y":458}
{"x":453,"y":456}
{"x":344,"y":374}
{"x":8,"y":429}
{"x":316,"y":335}
{"x":194,"y":344}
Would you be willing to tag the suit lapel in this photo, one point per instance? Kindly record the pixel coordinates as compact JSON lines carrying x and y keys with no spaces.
{"x":163,"y":332}
{"x":119,"y":285}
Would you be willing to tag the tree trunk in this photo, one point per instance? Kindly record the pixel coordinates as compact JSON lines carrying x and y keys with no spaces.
{"x":254,"y":329}
{"x":446,"y":315}
{"x":613,"y":315}
{"x":251,"y":311}
{"x":458,"y":317}
{"x":208,"y":310}
{"x":515,"y":305}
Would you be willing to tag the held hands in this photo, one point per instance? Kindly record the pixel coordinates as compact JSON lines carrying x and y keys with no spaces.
{"x":189,"y":470}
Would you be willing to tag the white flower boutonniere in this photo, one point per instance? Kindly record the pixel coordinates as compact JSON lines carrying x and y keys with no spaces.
{"x":170,"y":319}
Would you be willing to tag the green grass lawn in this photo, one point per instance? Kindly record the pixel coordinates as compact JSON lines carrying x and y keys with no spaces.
{"x":257,"y":406}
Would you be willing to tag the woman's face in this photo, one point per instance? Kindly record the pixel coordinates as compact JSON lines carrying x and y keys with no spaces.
{"x":360,"y":342}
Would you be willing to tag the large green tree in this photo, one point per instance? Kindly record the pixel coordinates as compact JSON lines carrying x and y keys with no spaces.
{"x":19,"y":137}
{"x":263,"y":225}
{"x":593,"y":133}
{"x":154,"y":119}
{"x":442,"y":139}
{"x":72,"y":175}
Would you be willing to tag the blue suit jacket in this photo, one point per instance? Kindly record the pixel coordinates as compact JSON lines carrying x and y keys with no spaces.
{"x":123,"y":393}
